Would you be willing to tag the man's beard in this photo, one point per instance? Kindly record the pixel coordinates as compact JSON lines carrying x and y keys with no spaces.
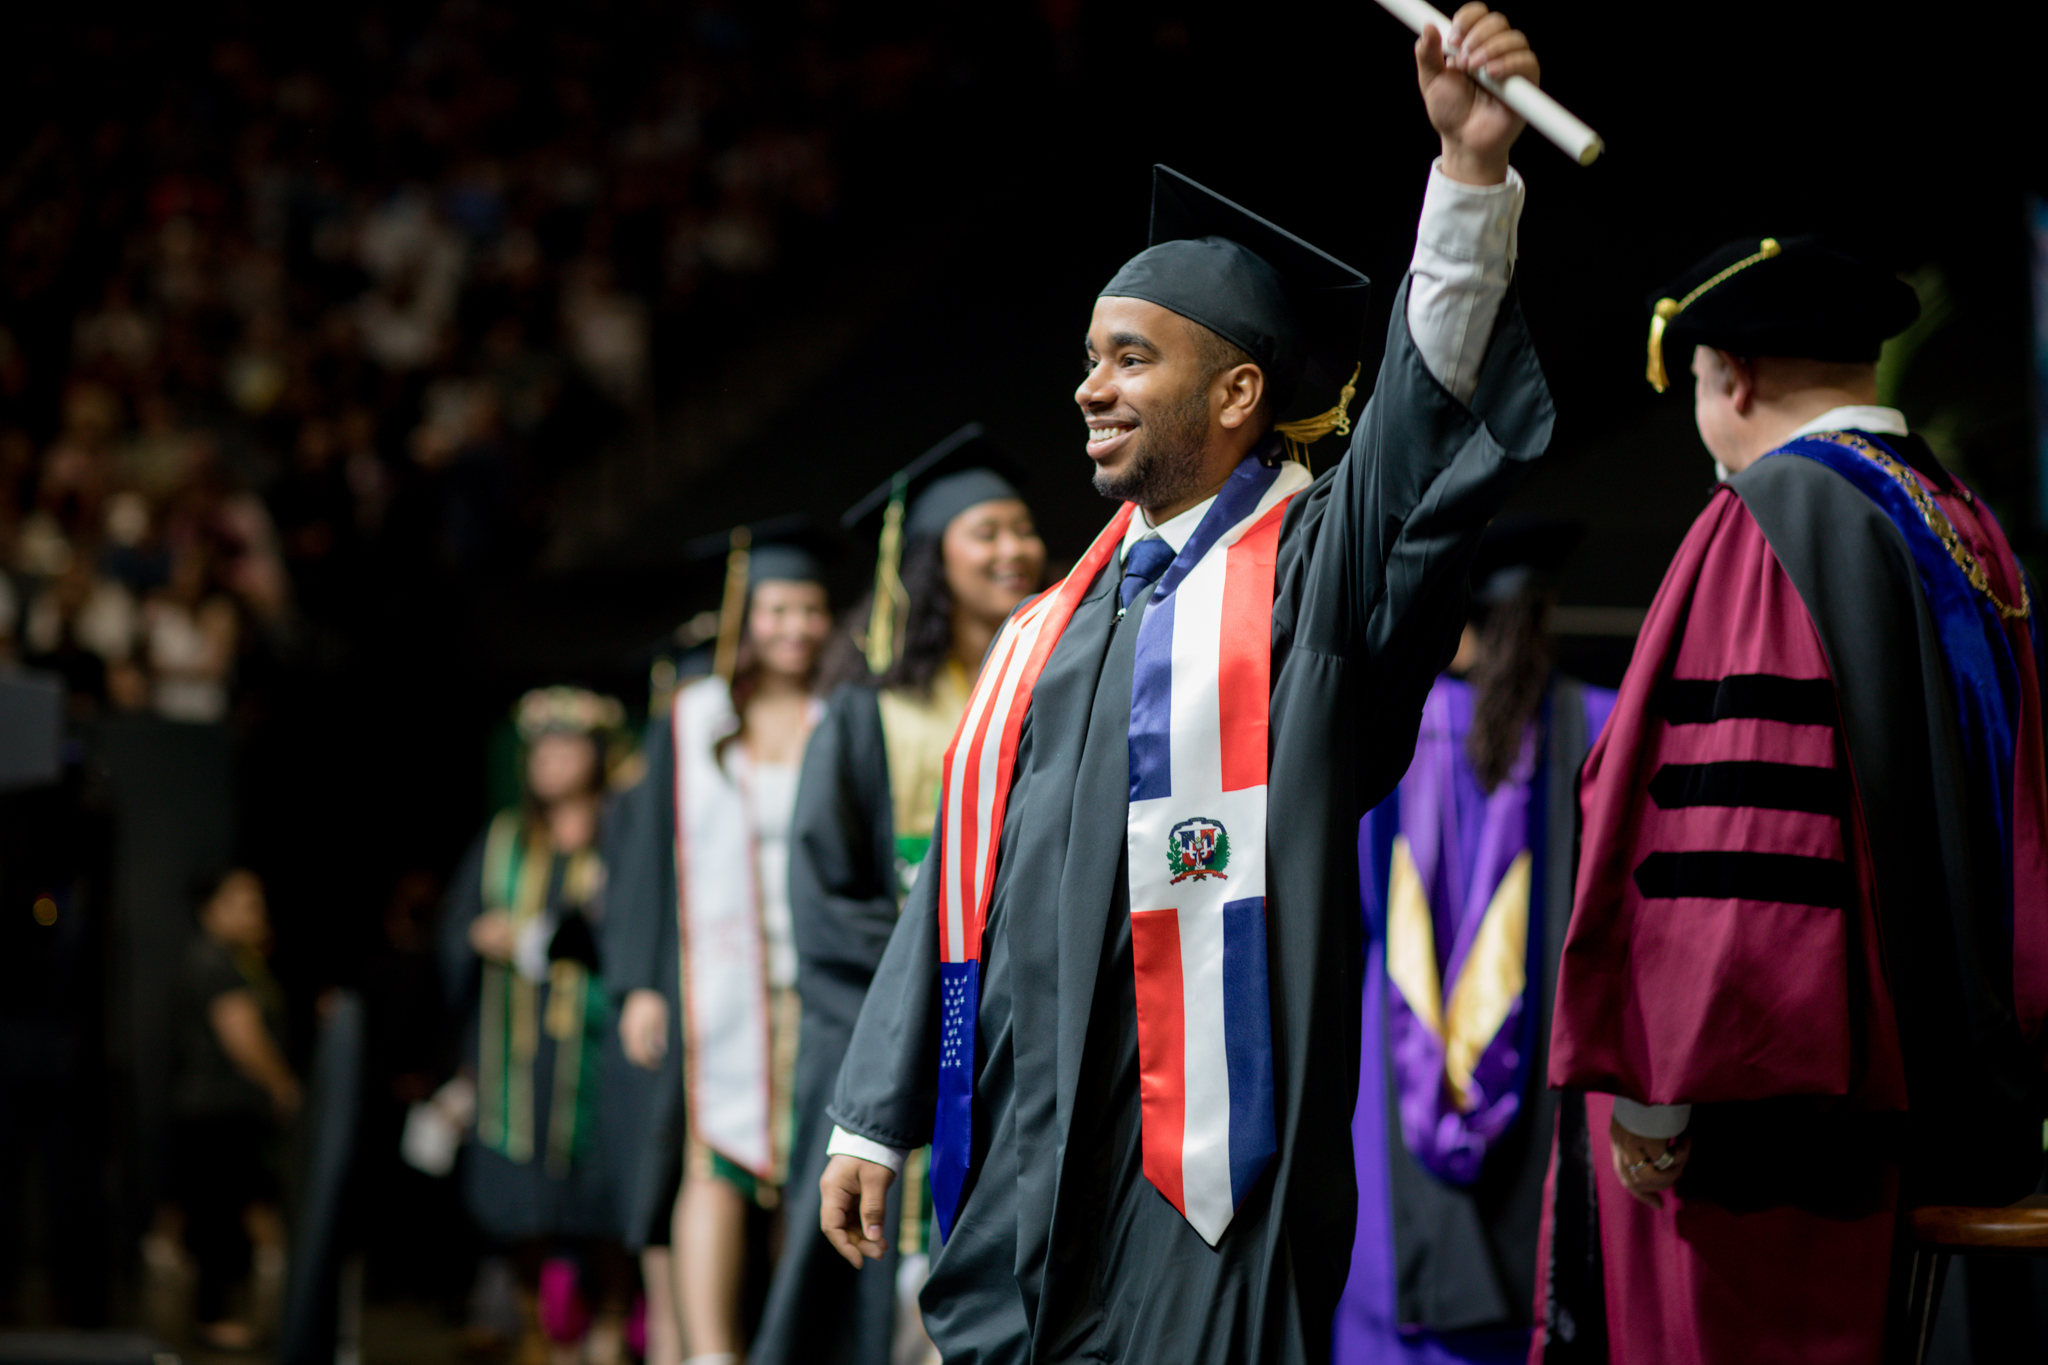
{"x":1166,"y":463}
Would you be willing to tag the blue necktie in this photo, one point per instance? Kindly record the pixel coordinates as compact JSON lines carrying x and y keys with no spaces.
{"x":1143,"y":564}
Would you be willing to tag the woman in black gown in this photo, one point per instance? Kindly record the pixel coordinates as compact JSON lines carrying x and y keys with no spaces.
{"x":866,"y":805}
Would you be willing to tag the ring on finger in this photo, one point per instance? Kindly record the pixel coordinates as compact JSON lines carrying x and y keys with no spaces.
{"x":1634,"y":1166}
{"x":1665,"y":1161}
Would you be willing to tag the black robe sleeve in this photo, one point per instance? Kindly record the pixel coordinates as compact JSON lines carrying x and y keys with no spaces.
{"x":644,"y":1112}
{"x":640,"y":950}
{"x":888,"y":1088}
{"x":1373,"y":569}
{"x":842,"y":861}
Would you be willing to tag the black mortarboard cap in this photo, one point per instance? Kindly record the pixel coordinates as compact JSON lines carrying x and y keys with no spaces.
{"x":1802,"y":296}
{"x":1297,"y":311}
{"x":962,"y":471}
{"x":917,"y":503}
{"x":1518,"y":549}
{"x":786,"y":549}
{"x":793,"y":548}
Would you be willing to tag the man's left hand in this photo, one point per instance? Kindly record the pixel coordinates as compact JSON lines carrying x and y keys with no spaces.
{"x":1477,"y":129}
{"x":1646,"y":1167}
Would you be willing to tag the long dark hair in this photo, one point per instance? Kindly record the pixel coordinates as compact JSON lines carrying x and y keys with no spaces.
{"x":1510,"y":679}
{"x":927,"y":621}
{"x":927,"y":627}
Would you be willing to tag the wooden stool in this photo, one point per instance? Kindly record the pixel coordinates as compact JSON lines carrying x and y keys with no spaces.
{"x":1943,"y":1230}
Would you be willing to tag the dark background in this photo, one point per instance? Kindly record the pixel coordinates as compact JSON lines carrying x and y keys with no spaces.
{"x":927,"y":197}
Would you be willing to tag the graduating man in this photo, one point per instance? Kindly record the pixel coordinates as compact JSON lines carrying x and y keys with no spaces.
{"x":1122,"y":1000}
{"x":1808,"y":960}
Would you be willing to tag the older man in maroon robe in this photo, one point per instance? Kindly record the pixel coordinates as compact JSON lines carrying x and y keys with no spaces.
{"x":1807,"y":969}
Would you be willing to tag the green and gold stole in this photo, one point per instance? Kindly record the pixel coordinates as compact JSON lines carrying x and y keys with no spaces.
{"x":519,"y":865}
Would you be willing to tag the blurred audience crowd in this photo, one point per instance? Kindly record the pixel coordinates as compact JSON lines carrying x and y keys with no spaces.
{"x":300,"y":313}
{"x":304,"y":318}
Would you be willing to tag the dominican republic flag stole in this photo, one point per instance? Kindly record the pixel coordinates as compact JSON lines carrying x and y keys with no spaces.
{"x":729,"y":1073}
{"x":1196,"y":828}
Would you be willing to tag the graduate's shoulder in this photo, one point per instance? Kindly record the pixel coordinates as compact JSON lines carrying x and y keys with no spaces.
{"x":852,"y":705}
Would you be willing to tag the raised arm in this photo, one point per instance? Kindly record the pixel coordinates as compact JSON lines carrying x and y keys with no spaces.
{"x":1458,"y":411}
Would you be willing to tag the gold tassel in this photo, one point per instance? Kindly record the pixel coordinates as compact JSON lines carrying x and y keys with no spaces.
{"x":889,"y":594}
{"x":1667,"y":309}
{"x":1300,"y":434}
{"x":732,"y":608}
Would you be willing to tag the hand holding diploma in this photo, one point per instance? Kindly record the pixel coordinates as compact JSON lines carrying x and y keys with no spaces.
{"x":1479,"y":49}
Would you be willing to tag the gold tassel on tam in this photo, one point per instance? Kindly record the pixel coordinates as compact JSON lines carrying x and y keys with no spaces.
{"x":1306,"y":431}
{"x":1667,"y":309}
{"x":732,"y":609}
{"x":890,"y":599}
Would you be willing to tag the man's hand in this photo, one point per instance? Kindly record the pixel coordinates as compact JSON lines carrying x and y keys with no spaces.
{"x":855,"y":1197}
{"x":490,"y":934}
{"x":1637,"y":1160}
{"x":643,"y":1028}
{"x":1476,"y":128}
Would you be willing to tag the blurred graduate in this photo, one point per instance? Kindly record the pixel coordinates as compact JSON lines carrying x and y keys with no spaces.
{"x":1121,"y":1002}
{"x":519,"y":953}
{"x":720,"y":791}
{"x":1467,"y":875}
{"x":1807,"y":967}
{"x":957,"y":551}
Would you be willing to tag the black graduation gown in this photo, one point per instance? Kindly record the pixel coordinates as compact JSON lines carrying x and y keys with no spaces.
{"x":842,"y":900}
{"x":641,"y":952}
{"x":1062,"y":1249}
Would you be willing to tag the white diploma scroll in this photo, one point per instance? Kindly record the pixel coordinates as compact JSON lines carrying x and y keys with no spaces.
{"x":1544,"y":114}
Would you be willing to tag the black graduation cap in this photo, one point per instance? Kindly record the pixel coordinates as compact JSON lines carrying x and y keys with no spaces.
{"x":915,"y":504}
{"x":1802,"y":296}
{"x":962,"y":471}
{"x":792,"y":549}
{"x":1297,"y":311}
{"x":1518,"y":549}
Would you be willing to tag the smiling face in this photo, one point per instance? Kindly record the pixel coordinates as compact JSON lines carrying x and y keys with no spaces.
{"x":1166,"y":421}
{"x":993,"y":557}
{"x":787,"y":623}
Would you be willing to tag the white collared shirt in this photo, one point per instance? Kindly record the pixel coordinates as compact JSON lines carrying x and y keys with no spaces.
{"x":1465,"y":246}
{"x":1174,"y":530}
{"x":1857,"y":417}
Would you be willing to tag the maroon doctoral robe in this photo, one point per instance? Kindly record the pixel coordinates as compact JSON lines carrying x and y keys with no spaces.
{"x":1728,"y":950}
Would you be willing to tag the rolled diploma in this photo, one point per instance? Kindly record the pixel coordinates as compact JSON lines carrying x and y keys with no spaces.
{"x":1544,"y":114}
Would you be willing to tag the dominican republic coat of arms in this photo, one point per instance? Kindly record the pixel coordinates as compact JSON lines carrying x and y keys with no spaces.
{"x":1197,"y":848}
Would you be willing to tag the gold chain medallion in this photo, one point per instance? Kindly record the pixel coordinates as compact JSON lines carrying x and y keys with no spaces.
{"x":1936,"y":519}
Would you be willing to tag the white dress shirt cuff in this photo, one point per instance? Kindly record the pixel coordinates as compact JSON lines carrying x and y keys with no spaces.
{"x":844,"y":1143}
{"x":1652,"y":1120}
{"x":1480,"y":224}
{"x":1465,"y":248}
